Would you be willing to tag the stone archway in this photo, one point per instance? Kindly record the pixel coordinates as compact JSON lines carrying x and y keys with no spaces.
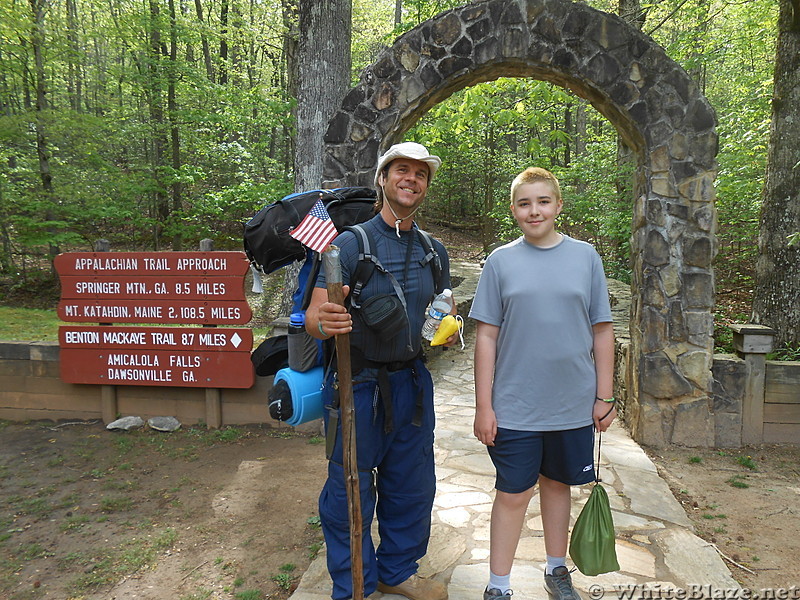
{"x":660,"y":114}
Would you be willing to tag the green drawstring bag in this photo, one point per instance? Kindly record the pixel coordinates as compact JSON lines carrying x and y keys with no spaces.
{"x":591,"y":546}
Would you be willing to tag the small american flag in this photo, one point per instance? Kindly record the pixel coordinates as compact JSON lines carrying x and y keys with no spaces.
{"x":316,"y":230}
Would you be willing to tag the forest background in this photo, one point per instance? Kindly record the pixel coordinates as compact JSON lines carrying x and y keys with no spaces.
{"x":156,"y":124}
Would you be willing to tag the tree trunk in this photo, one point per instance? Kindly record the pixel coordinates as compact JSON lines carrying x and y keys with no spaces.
{"x":487,"y":223}
{"x":223,"y":42}
{"x":323,"y":78}
{"x":5,"y":90}
{"x":631,"y":11}
{"x":176,"y":187}
{"x":38,"y":9}
{"x":74,"y":80}
{"x":161,"y":209}
{"x":776,"y":298}
{"x":198,"y":6}
{"x":580,"y":139}
{"x":698,"y":71}
{"x":291,"y":39}
{"x":568,"y":130}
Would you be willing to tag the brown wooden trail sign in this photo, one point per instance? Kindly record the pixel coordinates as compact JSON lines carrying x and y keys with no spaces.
{"x":170,"y":356}
{"x":195,"y":312}
{"x":232,"y":264}
{"x":205,"y":288}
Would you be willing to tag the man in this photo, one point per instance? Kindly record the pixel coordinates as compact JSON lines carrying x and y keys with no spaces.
{"x":392,"y":389}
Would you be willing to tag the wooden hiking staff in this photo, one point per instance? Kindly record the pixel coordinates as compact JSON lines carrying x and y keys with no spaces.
{"x":333,"y":276}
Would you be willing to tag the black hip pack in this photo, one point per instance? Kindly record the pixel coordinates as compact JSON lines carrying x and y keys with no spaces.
{"x":386,"y":315}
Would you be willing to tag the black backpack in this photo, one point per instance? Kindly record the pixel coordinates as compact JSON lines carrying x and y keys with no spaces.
{"x":368,"y":262}
{"x":267,"y":242}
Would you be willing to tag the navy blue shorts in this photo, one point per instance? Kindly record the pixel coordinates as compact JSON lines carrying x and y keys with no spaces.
{"x":521,"y":456}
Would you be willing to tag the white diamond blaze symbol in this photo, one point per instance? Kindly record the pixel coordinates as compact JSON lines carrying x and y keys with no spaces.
{"x":236,"y":340}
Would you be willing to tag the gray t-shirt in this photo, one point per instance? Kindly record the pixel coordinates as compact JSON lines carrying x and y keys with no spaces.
{"x":545,"y":301}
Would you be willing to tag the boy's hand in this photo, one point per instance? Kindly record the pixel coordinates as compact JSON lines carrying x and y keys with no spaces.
{"x":485,"y":426}
{"x":603,"y":414}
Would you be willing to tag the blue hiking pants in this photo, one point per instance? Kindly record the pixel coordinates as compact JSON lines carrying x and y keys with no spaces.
{"x":396,"y":481}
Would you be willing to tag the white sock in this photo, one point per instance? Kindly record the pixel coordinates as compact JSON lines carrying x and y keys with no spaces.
{"x":500,"y":582}
{"x":553,"y":562}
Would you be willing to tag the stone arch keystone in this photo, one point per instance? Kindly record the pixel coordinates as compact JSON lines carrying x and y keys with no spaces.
{"x":660,"y":114}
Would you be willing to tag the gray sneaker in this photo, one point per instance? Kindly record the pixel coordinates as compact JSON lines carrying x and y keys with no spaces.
{"x":559,"y":585}
{"x":495,"y":594}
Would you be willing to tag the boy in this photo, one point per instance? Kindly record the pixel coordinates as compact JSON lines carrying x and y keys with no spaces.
{"x":544,"y":363}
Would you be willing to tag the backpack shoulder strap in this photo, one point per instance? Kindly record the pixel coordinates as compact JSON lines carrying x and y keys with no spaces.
{"x":432,"y":257}
{"x":367,"y":263}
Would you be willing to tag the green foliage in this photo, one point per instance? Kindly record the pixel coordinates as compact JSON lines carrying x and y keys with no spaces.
{"x":284,"y":580}
{"x":737,"y":481}
{"x":372,"y":27}
{"x":313,"y":550}
{"x":28,"y":324}
{"x":416,"y":11}
{"x":747,"y":462}
{"x":507,"y":125}
{"x":109,"y":178}
{"x":314,"y":522}
{"x":228,"y":434}
{"x":234,"y":130}
{"x":785,"y":353}
{"x":723,"y":335}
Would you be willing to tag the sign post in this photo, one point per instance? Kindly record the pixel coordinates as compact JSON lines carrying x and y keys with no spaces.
{"x":151,"y":288}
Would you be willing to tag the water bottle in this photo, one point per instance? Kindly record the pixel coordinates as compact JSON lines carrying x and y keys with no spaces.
{"x":302,"y":348}
{"x":441,"y":306}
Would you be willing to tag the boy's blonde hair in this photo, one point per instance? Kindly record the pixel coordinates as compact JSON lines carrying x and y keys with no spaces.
{"x":532,"y":175}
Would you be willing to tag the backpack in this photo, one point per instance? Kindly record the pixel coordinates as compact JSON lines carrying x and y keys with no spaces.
{"x":269,"y":247}
{"x":267,"y":242}
{"x":263,"y":358}
{"x":368,"y":263}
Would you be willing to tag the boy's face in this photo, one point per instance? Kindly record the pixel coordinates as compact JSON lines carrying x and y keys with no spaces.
{"x":535,"y":208}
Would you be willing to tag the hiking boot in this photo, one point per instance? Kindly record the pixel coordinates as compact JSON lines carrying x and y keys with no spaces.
{"x":559,"y":585}
{"x":416,"y":588}
{"x":495,"y":594}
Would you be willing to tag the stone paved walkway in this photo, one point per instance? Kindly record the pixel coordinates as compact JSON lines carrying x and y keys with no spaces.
{"x":655,"y":546}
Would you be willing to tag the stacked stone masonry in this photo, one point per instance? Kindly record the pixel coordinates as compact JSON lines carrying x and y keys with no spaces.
{"x":659,"y":113}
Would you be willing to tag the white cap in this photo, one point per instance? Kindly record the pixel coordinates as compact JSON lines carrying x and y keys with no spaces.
{"x":411,"y":150}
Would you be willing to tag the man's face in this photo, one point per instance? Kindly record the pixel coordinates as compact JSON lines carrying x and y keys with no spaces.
{"x":405,"y":184}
